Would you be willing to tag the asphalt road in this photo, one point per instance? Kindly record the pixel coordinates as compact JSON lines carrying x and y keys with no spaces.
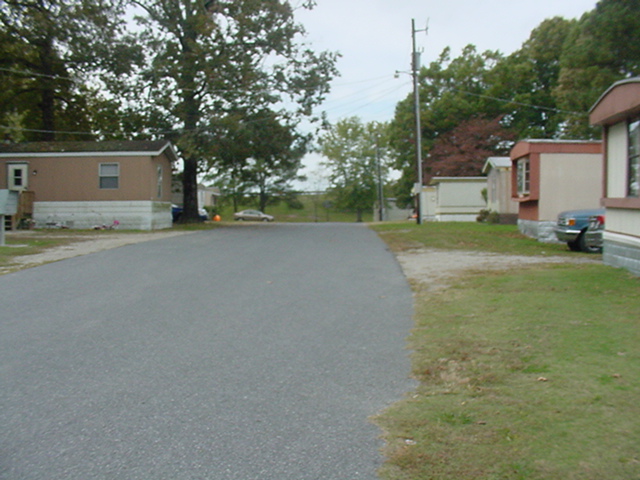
{"x":241,"y":353}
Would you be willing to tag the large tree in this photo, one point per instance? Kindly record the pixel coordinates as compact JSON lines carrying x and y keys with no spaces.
{"x":256,"y":155}
{"x":464,"y":150}
{"x":451,"y":92}
{"x":525,"y":81}
{"x":47,"y":50}
{"x":357,"y":159}
{"x":603,"y":47}
{"x":208,"y":58}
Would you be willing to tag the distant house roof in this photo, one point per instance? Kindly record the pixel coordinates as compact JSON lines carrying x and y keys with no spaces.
{"x":540,"y":145}
{"x":438,"y":180}
{"x":107,"y":148}
{"x":496,"y":162}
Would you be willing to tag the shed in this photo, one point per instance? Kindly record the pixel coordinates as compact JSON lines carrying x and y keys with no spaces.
{"x":498,"y":172}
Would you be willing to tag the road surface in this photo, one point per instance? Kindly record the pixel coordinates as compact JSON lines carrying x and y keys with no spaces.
{"x":240,"y":353}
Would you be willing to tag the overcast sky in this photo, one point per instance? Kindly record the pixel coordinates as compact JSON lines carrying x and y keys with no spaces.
{"x":374,"y":39}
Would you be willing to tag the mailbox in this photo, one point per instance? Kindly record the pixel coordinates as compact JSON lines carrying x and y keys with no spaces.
{"x":8,"y":202}
{"x":8,"y":206}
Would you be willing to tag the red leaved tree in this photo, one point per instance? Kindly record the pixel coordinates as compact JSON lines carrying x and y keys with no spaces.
{"x":464,"y":150}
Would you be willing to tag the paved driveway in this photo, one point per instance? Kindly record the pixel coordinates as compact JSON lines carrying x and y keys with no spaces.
{"x":253,"y":352}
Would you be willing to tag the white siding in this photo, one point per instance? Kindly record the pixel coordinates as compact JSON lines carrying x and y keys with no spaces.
{"x":617,"y":160}
{"x":134,"y":215}
{"x":569,"y":181}
{"x":623,"y":221}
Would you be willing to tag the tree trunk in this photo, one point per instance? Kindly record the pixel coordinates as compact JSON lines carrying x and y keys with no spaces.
{"x":47,"y":92}
{"x":191,"y":121}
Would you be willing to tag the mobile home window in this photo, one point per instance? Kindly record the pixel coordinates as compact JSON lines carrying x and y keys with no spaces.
{"x":524,"y":176}
{"x":159,"y":181}
{"x":633,"y":185}
{"x":109,"y":175}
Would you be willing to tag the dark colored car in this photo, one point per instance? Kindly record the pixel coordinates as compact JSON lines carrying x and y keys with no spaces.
{"x":572,"y":226}
{"x":176,"y":211}
{"x":254,"y":215}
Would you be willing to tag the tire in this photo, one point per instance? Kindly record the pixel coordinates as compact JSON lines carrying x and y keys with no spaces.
{"x":265,"y":219}
{"x":575,"y":245}
{"x":586,"y":248}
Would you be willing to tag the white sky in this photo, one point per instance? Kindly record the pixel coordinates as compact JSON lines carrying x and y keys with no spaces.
{"x":374,"y":38}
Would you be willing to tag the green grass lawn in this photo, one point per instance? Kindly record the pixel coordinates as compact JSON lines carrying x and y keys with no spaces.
{"x":527,"y":374}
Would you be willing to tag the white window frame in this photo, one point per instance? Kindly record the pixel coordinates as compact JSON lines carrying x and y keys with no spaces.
{"x":15,"y":170}
{"x":103,"y":177}
{"x":523,"y":176}
{"x":633,"y":158}
{"x":160,"y":179}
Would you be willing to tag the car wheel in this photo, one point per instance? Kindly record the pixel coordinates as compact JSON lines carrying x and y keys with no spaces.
{"x":265,"y":219}
{"x":575,"y":245}
{"x":582,"y":241}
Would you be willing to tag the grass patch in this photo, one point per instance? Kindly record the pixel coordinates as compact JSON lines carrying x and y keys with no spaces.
{"x":31,"y":243}
{"x":465,"y":236}
{"x":527,"y":374}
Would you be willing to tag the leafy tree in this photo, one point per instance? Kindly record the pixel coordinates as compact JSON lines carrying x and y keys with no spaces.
{"x":603,"y":47}
{"x":208,"y":58}
{"x":451,"y":92}
{"x":526,"y":79}
{"x":276,"y":156}
{"x":48,"y":48}
{"x":352,"y":151}
{"x":464,"y":150}
{"x":257,"y":153}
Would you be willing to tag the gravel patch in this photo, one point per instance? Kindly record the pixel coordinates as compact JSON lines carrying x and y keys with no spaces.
{"x":84,"y":245}
{"x":434,"y":269}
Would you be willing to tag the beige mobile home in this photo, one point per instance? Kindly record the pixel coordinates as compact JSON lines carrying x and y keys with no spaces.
{"x":457,"y":199}
{"x":551,"y":176}
{"x":84,"y":184}
{"x":618,"y":112}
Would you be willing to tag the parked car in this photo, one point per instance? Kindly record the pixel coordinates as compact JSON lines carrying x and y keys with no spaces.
{"x":254,"y":215}
{"x":572,"y":226}
{"x":593,"y":234}
{"x":176,"y":212}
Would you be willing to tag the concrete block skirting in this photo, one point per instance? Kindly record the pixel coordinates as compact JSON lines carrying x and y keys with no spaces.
{"x":456,"y":217}
{"x":133,"y":215}
{"x":621,"y":251}
{"x":542,"y":231}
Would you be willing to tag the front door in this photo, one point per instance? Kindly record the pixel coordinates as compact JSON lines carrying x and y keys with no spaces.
{"x":17,"y":176}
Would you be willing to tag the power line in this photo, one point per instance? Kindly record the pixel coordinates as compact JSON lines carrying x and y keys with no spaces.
{"x":528,"y":105}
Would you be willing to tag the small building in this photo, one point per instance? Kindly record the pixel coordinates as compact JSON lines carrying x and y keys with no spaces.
{"x":618,"y":112}
{"x":454,"y":199}
{"x":498,"y":172}
{"x":551,"y":176}
{"x":208,"y":196}
{"x":84,"y":184}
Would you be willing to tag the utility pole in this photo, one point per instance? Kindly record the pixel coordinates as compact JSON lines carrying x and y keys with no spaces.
{"x":415,"y":67}
{"x":380,"y":186}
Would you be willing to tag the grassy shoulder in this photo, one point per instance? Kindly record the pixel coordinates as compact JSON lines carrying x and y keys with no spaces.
{"x":527,"y":374}
{"x":465,"y":236}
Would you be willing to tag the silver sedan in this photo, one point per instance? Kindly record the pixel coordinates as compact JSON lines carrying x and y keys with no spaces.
{"x":252,"y":215}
